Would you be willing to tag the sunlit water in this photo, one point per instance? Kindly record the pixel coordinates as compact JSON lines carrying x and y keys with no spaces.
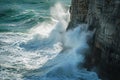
{"x":46,"y":51}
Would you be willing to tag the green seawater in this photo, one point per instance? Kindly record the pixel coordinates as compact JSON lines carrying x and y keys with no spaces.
{"x":21,"y":15}
{"x":34,"y":43}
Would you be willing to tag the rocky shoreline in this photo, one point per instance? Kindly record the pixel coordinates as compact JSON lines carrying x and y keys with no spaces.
{"x":104,"y":16}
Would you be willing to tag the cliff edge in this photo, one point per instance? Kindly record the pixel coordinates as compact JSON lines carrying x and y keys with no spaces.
{"x":104,"y":16}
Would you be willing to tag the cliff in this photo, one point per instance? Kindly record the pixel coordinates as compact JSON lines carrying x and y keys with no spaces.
{"x":104,"y":16}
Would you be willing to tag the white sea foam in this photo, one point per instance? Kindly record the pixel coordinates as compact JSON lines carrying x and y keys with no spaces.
{"x":47,"y":52}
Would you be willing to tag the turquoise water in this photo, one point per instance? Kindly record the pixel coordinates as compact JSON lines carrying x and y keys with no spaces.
{"x":34,"y":44}
{"x":21,"y":15}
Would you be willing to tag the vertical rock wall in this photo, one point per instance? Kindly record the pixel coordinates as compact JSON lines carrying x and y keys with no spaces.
{"x":78,"y":10}
{"x":104,"y":16}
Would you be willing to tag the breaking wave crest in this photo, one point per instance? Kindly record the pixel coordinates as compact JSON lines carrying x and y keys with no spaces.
{"x":47,"y":51}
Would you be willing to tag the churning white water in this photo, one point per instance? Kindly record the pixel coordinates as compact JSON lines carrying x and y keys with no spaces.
{"x":47,"y":51}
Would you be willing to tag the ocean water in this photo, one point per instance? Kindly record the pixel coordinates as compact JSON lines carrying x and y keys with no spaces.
{"x":34,"y":43}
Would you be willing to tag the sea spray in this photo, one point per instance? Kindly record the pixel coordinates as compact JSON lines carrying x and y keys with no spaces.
{"x":65,"y":65}
{"x":47,"y":52}
{"x":74,"y":47}
{"x":49,"y":32}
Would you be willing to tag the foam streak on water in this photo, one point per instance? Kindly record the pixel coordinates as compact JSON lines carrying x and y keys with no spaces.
{"x":47,"y":51}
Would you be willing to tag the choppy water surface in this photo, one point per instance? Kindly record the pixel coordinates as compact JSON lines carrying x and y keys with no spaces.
{"x":34,"y":44}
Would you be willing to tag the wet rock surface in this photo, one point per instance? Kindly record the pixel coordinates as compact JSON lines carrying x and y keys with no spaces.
{"x":104,"y":16}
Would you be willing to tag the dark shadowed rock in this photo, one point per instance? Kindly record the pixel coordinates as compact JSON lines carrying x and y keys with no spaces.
{"x":78,"y":10}
{"x":104,"y":16}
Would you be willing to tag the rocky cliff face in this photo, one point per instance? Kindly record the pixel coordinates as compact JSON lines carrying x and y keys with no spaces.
{"x":104,"y":16}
